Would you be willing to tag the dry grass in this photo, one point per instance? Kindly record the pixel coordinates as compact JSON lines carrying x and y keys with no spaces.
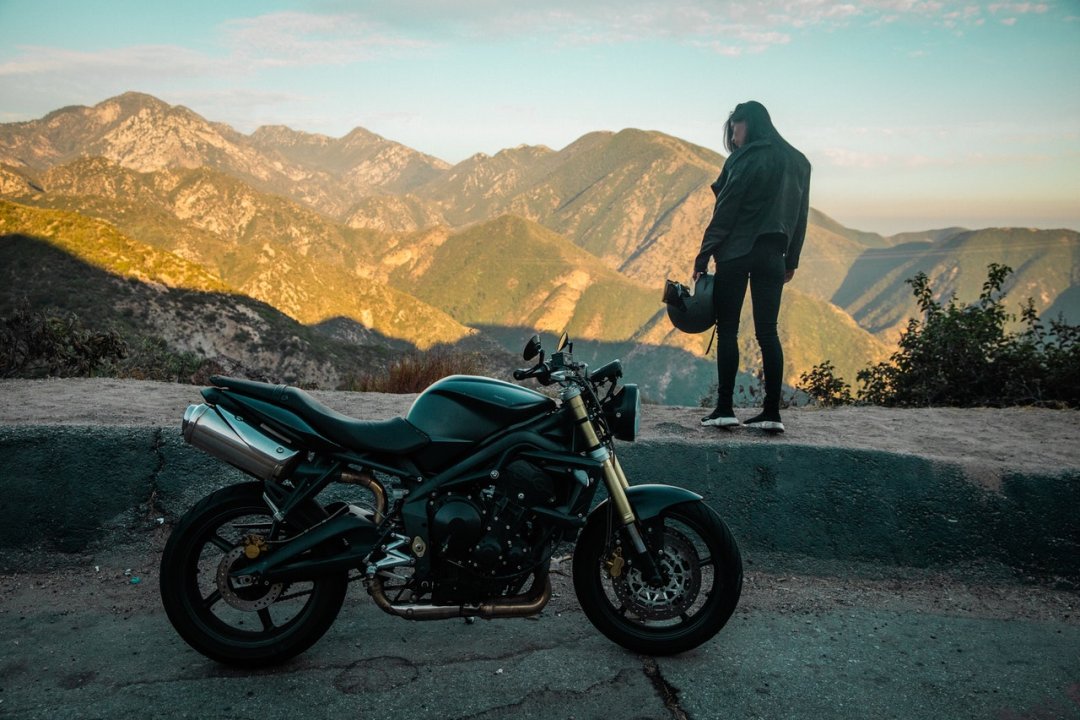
{"x":413,"y":372}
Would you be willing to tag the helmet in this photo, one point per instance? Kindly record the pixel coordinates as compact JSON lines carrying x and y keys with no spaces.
{"x":690,"y":313}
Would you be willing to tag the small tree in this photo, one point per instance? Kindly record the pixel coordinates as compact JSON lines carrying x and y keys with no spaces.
{"x":824,"y":388}
{"x":962,"y":355}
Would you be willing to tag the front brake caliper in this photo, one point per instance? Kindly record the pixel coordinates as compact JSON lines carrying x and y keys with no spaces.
{"x":615,"y":563}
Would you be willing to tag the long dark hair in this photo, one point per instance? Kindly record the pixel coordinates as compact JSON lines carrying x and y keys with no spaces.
{"x":759,"y":125}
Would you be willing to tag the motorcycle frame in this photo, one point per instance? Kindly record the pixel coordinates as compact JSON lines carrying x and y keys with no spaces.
{"x":542,"y":441}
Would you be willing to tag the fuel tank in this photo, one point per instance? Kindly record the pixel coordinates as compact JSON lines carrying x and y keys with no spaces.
{"x":468,"y":407}
{"x":461,"y":410}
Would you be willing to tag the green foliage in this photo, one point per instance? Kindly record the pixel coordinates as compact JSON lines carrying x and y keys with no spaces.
{"x":824,"y":388}
{"x":34,"y":344}
{"x":153,"y":359}
{"x":415,"y":371}
{"x":962,"y":356}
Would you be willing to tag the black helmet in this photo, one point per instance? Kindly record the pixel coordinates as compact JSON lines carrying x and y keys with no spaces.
{"x":690,"y":313}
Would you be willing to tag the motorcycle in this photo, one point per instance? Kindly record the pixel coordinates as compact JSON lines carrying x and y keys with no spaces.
{"x":461,"y":506}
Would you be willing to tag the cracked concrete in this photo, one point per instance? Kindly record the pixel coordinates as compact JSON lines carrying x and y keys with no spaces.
{"x":668,"y":693}
{"x":84,"y":642}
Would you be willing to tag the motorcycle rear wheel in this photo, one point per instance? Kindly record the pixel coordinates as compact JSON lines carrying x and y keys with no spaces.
{"x":702,"y":567}
{"x":250,"y":626}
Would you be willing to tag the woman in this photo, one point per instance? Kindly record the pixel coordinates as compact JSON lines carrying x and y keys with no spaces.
{"x":755,"y":236}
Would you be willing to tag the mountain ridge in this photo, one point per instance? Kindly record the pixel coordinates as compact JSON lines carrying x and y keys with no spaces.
{"x":297,"y":218}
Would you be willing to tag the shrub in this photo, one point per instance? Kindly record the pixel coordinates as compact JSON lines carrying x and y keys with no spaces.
{"x":961,"y":355}
{"x":414,"y":371}
{"x":36,"y":344}
{"x":824,"y":388}
{"x":153,"y":359}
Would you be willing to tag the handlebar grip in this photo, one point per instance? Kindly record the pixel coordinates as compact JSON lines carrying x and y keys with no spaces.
{"x":522,"y":374}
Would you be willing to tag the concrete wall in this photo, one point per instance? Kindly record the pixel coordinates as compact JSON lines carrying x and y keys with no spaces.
{"x":65,"y":488}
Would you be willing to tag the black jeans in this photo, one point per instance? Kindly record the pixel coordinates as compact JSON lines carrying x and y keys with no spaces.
{"x":763,"y":268}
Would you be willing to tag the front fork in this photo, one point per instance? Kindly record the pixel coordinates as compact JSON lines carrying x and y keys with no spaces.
{"x":614,"y":479}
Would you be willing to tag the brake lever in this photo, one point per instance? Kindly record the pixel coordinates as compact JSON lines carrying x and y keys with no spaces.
{"x":526,"y":373}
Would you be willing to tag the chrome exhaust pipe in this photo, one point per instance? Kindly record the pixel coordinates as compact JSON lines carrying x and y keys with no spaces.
{"x":517,"y":606}
{"x":228,"y":437}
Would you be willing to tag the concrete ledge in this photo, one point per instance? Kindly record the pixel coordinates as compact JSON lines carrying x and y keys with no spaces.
{"x":851,"y":504}
{"x":67,"y":487}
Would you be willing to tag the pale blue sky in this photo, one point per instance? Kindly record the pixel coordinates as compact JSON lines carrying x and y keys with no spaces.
{"x":916,"y":114}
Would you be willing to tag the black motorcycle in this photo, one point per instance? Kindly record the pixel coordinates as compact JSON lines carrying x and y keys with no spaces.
{"x":467,"y":498}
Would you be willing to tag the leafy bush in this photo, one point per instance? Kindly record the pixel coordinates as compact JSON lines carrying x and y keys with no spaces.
{"x":153,"y":359}
{"x":822,"y":385}
{"x":962,"y":356}
{"x":415,"y":371}
{"x":34,"y":344}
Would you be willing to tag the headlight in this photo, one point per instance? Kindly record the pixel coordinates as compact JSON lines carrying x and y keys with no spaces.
{"x":621,"y":411}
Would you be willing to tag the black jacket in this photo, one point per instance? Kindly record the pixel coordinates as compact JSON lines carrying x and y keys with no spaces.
{"x":763,"y":189}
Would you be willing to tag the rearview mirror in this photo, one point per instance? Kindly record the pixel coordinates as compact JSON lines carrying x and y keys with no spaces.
{"x":532,"y":348}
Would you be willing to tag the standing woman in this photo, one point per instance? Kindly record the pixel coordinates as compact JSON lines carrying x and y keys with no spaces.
{"x":755,"y":236}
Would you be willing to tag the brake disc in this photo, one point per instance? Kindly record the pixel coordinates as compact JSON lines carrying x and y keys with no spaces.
{"x":679,"y":564}
{"x":249,"y":598}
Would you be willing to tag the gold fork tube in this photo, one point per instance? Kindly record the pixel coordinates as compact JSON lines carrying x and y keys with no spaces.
{"x":614,"y":478}
{"x":619,"y":471}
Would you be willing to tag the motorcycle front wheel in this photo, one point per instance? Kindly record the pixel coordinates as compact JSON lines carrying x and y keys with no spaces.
{"x":253,"y":625}
{"x":702,"y":580}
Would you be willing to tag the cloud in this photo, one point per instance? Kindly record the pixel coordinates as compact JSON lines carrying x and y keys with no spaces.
{"x":306,"y":39}
{"x":848,"y":158}
{"x":156,"y":60}
{"x":698,"y":21}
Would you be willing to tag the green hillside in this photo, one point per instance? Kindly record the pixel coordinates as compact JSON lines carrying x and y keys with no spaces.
{"x":62,"y":262}
{"x":512,"y":272}
{"x":265,"y":246}
{"x":100,"y":245}
{"x":876,"y":294}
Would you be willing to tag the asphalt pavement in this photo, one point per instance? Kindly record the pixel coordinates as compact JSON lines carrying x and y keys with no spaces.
{"x":89,"y":640}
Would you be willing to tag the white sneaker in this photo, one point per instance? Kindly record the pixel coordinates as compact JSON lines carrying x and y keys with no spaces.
{"x":716,"y":419}
{"x":763,"y":423}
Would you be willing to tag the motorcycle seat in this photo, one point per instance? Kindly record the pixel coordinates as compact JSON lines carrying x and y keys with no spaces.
{"x":396,"y":436}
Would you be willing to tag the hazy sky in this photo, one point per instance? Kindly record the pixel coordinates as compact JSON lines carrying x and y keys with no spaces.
{"x":916,"y":115}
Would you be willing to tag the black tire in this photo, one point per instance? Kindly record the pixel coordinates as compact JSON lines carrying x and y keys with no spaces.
{"x":701,"y":560}
{"x":251,"y":626}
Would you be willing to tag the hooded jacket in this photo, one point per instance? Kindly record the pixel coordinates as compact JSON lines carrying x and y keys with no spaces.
{"x":763,"y":189}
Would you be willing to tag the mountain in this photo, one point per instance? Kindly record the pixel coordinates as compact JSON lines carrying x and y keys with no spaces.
{"x":360,"y":163}
{"x":144,"y":134}
{"x":1045,"y":263}
{"x":510,"y":271}
{"x":391,"y":248}
{"x":62,"y":261}
{"x":264,"y":246}
{"x":624,"y":197}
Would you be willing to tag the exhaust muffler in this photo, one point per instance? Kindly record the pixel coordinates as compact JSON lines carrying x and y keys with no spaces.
{"x":229,"y":438}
